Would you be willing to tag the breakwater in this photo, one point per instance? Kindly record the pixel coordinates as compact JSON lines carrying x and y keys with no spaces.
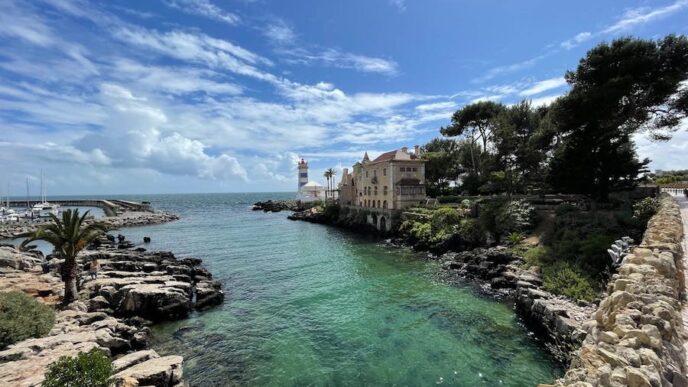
{"x":636,"y":336}
{"x":124,"y":218}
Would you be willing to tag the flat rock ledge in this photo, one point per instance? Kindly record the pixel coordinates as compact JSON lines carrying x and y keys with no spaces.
{"x":636,"y":335}
{"x":114,"y":312}
{"x":556,"y":321}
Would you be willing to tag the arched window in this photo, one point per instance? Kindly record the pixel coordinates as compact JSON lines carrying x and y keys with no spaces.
{"x":378,"y":204}
{"x":384,"y":204}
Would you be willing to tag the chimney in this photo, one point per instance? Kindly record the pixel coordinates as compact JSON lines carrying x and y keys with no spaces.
{"x":417,"y":150}
{"x":404,"y":150}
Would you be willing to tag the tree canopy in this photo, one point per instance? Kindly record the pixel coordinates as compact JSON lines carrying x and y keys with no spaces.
{"x":582,"y":142}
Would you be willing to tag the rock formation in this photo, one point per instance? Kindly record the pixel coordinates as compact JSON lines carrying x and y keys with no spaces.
{"x":112,"y":314}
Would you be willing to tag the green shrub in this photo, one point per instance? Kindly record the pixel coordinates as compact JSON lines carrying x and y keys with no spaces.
{"x":565,"y":279}
{"x":88,"y":369}
{"x":471,"y":232}
{"x":514,"y":238}
{"x":536,"y":256}
{"x":515,"y":216}
{"x":444,"y":218}
{"x":22,"y":317}
{"x":645,"y":208}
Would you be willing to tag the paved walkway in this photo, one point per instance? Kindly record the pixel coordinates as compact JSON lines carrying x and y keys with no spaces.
{"x":683,"y":202}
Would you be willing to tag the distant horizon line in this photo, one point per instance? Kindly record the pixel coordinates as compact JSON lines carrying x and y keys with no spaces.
{"x":33,"y":197}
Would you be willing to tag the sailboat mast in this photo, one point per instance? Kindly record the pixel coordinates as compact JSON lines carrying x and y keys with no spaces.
{"x":28,"y":197}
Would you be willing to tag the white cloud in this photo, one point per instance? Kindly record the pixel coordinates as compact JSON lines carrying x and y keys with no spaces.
{"x":204,"y":8}
{"x":507,"y":69}
{"x":280,"y":33}
{"x":542,"y":86}
{"x":576,"y":40}
{"x":665,"y":155}
{"x":436,"y":106}
{"x":639,"y":16}
{"x":545,"y":100}
{"x":335,"y":58}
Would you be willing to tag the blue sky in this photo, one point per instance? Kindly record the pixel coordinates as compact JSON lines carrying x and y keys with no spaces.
{"x":225,"y":95}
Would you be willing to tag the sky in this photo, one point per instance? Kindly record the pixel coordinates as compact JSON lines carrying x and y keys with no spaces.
{"x":179,"y":96}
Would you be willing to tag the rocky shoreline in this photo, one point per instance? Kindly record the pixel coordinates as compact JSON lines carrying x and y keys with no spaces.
{"x":135,"y":288}
{"x":125,"y":219}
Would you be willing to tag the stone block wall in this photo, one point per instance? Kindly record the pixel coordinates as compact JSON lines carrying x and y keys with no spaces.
{"x":636,"y":337}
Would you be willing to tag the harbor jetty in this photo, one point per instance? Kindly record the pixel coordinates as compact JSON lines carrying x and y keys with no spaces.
{"x":118,"y":214}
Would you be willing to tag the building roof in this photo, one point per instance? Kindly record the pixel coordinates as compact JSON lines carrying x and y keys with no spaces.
{"x":396,"y":154}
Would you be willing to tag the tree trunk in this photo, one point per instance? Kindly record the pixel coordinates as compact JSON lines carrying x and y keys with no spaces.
{"x":69,"y":272}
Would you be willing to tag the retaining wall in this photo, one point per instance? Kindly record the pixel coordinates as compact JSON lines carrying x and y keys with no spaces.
{"x":636,"y":335}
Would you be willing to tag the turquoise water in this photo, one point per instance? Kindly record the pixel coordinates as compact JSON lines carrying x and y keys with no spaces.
{"x":310,"y":305}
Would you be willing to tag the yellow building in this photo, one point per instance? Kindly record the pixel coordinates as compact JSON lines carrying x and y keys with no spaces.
{"x":395,"y":180}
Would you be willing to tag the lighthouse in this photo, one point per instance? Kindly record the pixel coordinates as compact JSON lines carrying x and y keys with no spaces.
{"x":303,"y":173}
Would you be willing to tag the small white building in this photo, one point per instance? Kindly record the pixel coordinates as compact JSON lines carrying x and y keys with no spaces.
{"x":308,"y":190}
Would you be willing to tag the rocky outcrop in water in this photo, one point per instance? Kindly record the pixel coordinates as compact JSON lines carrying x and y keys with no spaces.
{"x":113,"y":313}
{"x":636,"y":336}
{"x":282,"y":205}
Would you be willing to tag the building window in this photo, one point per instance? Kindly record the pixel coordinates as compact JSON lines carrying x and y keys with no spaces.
{"x":384,"y":204}
{"x":402,"y":169}
{"x":374,"y":172}
{"x":415,"y":169}
{"x":384,"y":171}
{"x":373,"y":203}
{"x":303,"y":174}
{"x":384,"y":190}
{"x":378,"y":204}
{"x":375,"y":190}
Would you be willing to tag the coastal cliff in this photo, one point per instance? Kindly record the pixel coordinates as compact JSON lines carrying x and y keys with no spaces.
{"x":134,"y":289}
{"x":636,"y":336}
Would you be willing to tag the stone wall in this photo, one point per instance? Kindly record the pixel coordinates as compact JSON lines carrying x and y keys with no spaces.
{"x":635,"y":337}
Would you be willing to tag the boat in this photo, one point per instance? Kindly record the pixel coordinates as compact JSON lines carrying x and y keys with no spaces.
{"x":45,"y":208}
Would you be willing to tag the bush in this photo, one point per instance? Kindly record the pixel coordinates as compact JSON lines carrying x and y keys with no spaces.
{"x":515,"y":216}
{"x":22,"y":317}
{"x":471,"y":232}
{"x":564,"y":279}
{"x":536,"y":256}
{"x":645,"y":208}
{"x":444,"y":218}
{"x":514,"y":238}
{"x":88,"y":369}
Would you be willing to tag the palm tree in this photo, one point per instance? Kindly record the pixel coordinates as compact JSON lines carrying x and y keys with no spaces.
{"x":327,"y":176}
{"x":68,"y":236}
{"x":331,"y":172}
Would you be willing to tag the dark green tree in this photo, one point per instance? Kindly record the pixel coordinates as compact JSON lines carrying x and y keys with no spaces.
{"x":474,"y":122}
{"x":619,"y":89}
{"x":441,"y":164}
